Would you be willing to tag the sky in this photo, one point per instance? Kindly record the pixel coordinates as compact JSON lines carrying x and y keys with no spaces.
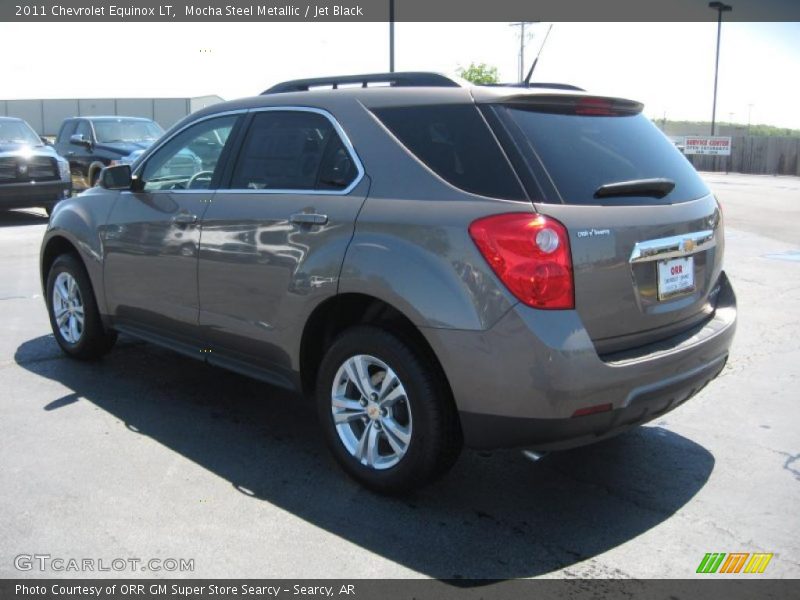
{"x":668,"y":66}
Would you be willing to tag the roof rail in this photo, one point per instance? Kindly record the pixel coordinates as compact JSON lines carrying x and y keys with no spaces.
{"x":408,"y":79}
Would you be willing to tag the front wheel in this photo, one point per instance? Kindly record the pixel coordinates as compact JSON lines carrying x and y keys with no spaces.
{"x":73,"y":312}
{"x":387,"y":414}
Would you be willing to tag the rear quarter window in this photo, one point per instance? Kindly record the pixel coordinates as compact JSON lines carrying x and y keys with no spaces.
{"x":581,"y":153}
{"x":456,"y":144}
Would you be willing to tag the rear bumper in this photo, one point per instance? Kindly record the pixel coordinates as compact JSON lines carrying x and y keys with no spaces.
{"x":520,"y":383}
{"x":490,"y":431}
{"x":23,"y":195}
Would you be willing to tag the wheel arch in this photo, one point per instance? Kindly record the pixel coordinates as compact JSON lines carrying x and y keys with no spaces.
{"x":94,"y":167}
{"x":61,"y":242}
{"x":346,"y":310}
{"x":54,"y":247}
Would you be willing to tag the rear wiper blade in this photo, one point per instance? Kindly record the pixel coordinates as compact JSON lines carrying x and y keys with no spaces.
{"x":657,"y":188}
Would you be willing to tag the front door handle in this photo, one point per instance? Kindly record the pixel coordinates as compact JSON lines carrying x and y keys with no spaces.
{"x":309,"y":218}
{"x":184,"y":219}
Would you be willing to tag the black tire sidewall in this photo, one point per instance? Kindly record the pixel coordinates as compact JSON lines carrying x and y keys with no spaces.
{"x":420,"y":462}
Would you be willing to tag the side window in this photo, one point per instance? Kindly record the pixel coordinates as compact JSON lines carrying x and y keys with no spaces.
{"x":189,"y":160}
{"x":456,"y":144}
{"x":338,"y":170}
{"x":293,"y":150}
{"x":84,"y":129}
{"x":67,"y":129}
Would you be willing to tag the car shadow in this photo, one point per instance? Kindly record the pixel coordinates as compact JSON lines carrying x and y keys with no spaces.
{"x":17,"y":218}
{"x":495,"y":516}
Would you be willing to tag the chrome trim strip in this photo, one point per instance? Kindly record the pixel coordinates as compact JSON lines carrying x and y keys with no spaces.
{"x":336,"y":126}
{"x":673,"y":247}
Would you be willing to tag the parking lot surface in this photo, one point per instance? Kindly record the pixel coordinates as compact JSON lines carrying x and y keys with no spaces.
{"x":150,"y":455}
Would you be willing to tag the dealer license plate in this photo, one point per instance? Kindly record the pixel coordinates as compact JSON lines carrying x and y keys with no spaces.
{"x":675,"y":277}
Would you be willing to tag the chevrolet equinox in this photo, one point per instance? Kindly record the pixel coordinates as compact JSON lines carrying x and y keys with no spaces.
{"x":435,"y":264}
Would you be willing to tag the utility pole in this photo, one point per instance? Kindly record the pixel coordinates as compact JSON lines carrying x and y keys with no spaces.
{"x":391,"y":36}
{"x":522,"y":41}
{"x":720,"y":8}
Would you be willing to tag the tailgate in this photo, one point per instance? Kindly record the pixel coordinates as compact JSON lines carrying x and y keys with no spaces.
{"x":644,"y":230}
{"x":642,"y":275}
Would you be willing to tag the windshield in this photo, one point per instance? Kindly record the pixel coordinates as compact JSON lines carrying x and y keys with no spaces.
{"x":582,"y":153}
{"x":18,"y":132}
{"x":126,"y":130}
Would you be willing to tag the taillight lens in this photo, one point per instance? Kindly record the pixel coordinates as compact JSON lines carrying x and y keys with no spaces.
{"x":530,"y":254}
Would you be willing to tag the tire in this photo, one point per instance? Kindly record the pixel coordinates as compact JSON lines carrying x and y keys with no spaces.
{"x":89,"y":340}
{"x":413,"y":423}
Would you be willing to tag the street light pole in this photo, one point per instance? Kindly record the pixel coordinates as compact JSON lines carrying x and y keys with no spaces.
{"x":391,"y":36}
{"x":720,"y":8}
{"x":522,"y":41}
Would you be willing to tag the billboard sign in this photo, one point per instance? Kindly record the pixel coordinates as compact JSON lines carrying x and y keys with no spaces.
{"x":712,"y":146}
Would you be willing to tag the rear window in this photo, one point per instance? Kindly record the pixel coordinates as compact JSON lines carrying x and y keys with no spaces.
{"x":582,"y":153}
{"x":455,"y":143}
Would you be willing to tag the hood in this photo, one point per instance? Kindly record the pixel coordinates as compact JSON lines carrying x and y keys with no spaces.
{"x":7,"y":149}
{"x":124,"y":148}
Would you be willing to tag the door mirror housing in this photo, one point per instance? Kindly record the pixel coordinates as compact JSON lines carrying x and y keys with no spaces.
{"x":117,"y":177}
{"x":78,"y":140}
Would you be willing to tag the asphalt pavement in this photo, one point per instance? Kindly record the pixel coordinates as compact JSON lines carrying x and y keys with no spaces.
{"x":150,"y":455}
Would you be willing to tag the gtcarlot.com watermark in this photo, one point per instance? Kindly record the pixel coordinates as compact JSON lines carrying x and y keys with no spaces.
{"x":59,"y":564}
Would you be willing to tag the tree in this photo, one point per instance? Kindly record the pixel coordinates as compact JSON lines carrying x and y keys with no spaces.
{"x":479,"y":74}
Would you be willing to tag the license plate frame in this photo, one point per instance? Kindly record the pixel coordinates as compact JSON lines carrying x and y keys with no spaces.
{"x":675,"y":277}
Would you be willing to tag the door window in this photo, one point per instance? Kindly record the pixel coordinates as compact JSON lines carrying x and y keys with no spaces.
{"x":67,"y":129}
{"x":85,"y":130}
{"x":189,"y":160}
{"x":293,"y":150}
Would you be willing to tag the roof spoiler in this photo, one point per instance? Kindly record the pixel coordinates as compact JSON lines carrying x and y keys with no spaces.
{"x":536,"y":85}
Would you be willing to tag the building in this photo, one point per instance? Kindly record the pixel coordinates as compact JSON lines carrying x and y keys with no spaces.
{"x":46,"y":116}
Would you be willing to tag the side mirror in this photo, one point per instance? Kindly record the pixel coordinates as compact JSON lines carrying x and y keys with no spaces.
{"x":78,"y":140}
{"x":117,"y":177}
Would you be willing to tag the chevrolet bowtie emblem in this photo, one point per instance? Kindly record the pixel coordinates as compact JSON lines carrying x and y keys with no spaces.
{"x":688,"y":245}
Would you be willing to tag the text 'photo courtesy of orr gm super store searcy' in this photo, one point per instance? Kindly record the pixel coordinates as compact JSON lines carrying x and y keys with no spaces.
{"x":188,"y":591}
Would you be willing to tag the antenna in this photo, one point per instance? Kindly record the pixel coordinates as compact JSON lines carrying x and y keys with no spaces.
{"x":536,"y":60}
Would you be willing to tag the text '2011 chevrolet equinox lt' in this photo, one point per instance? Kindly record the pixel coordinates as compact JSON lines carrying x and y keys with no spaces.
{"x":437,"y":264}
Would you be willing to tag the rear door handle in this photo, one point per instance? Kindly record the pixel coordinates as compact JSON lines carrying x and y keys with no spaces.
{"x":309,"y":218}
{"x":184,"y":219}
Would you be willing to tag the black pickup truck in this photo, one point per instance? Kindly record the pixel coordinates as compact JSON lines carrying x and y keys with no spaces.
{"x":31,"y":173}
{"x":91,"y":143}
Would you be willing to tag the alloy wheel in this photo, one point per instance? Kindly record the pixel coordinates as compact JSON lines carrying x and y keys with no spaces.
{"x":68,"y":308}
{"x":371,"y":412}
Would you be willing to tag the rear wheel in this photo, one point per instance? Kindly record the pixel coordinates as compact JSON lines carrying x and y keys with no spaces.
{"x":73,"y":312}
{"x":388,"y":416}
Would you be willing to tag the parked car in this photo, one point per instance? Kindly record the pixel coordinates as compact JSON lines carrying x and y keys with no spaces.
{"x":435,"y":265}
{"x":91,"y":143}
{"x":31,"y":173}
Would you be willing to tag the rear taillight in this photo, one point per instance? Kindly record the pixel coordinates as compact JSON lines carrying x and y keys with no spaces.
{"x":530,"y":254}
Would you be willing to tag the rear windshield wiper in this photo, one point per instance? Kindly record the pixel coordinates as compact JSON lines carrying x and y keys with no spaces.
{"x":657,"y":188}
